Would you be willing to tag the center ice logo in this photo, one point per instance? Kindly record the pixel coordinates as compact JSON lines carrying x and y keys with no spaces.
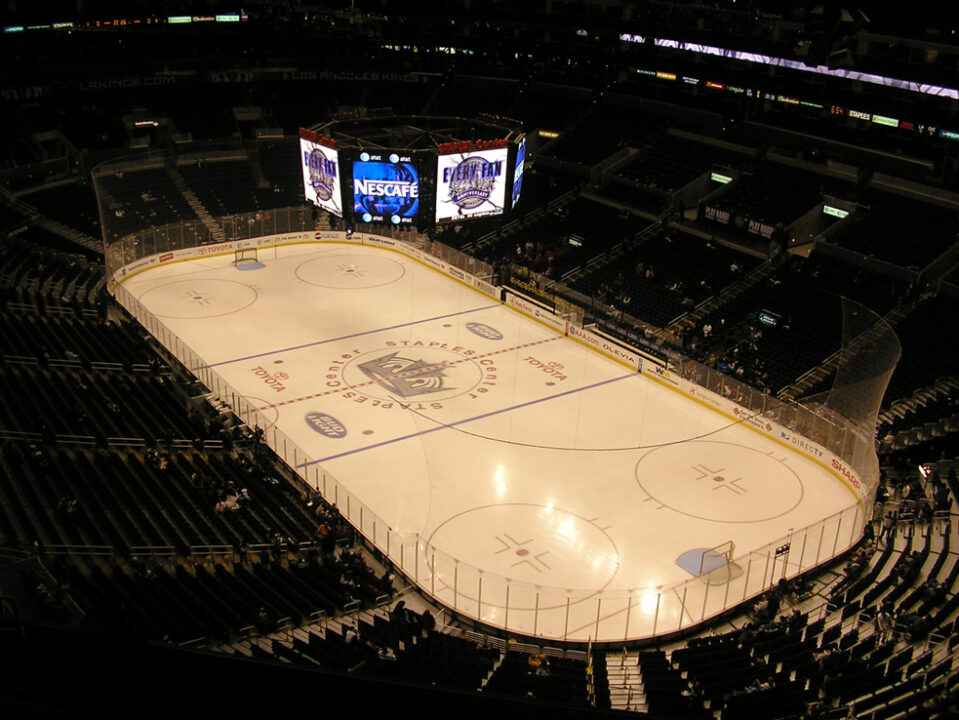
{"x":405,"y":376}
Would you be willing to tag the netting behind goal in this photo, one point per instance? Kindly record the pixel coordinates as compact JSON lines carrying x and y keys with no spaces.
{"x":716,"y":565}
{"x":244,"y":256}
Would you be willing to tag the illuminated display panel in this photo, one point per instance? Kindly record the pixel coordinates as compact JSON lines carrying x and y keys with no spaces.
{"x":518,"y":172}
{"x":386,"y":188}
{"x":321,"y":175}
{"x":471,"y":184}
{"x":884,"y":120}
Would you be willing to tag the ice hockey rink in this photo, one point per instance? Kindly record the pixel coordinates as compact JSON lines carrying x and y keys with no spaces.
{"x":513,"y":473}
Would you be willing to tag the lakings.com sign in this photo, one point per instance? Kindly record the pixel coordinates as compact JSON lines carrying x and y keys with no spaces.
{"x":470,"y":184}
{"x":385,"y":189}
{"x":321,"y":176}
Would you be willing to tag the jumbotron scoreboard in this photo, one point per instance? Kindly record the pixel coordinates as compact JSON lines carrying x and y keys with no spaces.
{"x":417,"y":171}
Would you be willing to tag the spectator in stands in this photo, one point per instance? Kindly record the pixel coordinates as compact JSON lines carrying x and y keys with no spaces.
{"x":324,"y":533}
{"x":264,"y":621}
{"x":66,"y":508}
{"x":764,"y":609}
{"x":942,"y":498}
{"x":933,"y":593}
{"x":914,"y":625}
{"x":230,"y":503}
{"x":427,"y":622}
{"x":398,"y":614}
{"x":796,"y":620}
{"x":857,"y":564}
{"x":888,"y":527}
{"x":534,"y":662}
{"x":884,"y":625}
{"x":695,"y":693}
{"x":831,"y":684}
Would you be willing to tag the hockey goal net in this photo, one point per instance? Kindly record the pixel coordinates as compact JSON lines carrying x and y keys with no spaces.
{"x":244,"y":256}
{"x":716,"y":565}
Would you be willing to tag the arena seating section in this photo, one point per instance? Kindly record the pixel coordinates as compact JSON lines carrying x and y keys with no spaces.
{"x":133,"y":510}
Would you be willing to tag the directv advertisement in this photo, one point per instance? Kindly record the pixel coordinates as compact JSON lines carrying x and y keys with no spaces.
{"x":471,"y":184}
{"x":518,"y":172}
{"x":320,"y":176}
{"x":386,"y":188}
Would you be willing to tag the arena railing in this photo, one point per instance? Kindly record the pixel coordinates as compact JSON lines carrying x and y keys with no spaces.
{"x":572,"y":615}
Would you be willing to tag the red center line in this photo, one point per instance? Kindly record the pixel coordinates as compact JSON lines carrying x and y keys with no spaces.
{"x":408,"y":373}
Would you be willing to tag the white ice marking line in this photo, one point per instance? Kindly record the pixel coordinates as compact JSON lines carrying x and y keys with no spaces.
{"x":446,"y":426}
{"x":344,"y":337}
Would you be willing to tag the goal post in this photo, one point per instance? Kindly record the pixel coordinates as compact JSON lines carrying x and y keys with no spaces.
{"x":716,"y":566}
{"x":244,"y":256}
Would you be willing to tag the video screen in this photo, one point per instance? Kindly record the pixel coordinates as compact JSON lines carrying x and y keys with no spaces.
{"x":385,"y":189}
{"x":518,"y":172}
{"x":471,"y":184}
{"x":321,"y":176}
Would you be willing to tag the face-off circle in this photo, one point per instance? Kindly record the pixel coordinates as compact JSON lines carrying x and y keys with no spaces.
{"x":199,"y":298}
{"x":268,"y":413}
{"x":350,"y":271}
{"x":719,"y":481}
{"x":530,"y":543}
